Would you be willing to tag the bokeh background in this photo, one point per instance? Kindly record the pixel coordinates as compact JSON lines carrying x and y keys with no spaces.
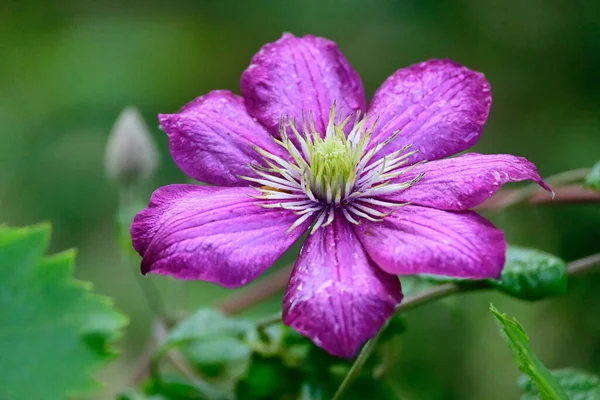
{"x":67,"y":68}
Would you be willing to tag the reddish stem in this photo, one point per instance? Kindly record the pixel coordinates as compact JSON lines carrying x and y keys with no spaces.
{"x":564,"y":194}
{"x":256,"y":293}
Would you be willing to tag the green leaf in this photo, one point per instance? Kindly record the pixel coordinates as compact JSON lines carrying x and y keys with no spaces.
{"x":531,"y":274}
{"x":205,"y":324}
{"x":224,"y":360}
{"x":526,"y":360}
{"x":216,"y":346}
{"x":577,"y":384}
{"x":53,"y":330}
{"x":269,"y":378}
{"x":174,"y":387}
{"x":593,"y":178}
{"x":135,"y":395}
{"x":528,"y":274}
{"x":269,"y":341}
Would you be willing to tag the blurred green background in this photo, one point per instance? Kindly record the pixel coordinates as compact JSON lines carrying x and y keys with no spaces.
{"x":68,"y":68}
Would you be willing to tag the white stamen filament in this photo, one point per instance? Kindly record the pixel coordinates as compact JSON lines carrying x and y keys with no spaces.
{"x":331,"y":175}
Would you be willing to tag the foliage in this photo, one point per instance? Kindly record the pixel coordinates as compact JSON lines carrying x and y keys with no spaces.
{"x":232,"y":358}
{"x":69,"y":67}
{"x":577,"y":384}
{"x":525,"y":358}
{"x":531,"y":274}
{"x":212,"y":356}
{"x":528,"y":274}
{"x":53,"y":330}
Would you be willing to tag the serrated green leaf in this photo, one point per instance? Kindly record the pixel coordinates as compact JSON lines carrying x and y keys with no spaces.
{"x":577,"y":384}
{"x":593,"y":178}
{"x":526,"y":360}
{"x":531,"y":274}
{"x":52,"y":328}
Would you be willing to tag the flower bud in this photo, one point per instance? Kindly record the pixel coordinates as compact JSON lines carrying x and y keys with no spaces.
{"x":131,"y":155}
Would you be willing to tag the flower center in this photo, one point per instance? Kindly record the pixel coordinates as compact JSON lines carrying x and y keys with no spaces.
{"x":331,"y":172}
{"x":331,"y":175}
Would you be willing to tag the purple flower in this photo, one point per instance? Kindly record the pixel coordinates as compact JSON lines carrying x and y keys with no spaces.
{"x":300,"y":152}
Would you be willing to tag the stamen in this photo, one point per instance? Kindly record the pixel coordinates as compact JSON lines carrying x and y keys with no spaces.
{"x":359,"y":213}
{"x":330,"y":173}
{"x":289,"y":205}
{"x":271,"y":178}
{"x":381,"y":202}
{"x":310,"y":210}
{"x":319,"y":222}
{"x":270,"y":183}
{"x":330,"y":217}
{"x":299,"y":221}
{"x":370,"y":210}
{"x":349,"y":217}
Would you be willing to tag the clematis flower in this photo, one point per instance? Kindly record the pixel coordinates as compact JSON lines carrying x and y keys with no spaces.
{"x":299,"y":152}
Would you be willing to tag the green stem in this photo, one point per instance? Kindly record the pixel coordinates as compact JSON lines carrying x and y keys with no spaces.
{"x":152,"y":295}
{"x":127,"y":207}
{"x":575,"y":268}
{"x":360,"y":360}
{"x":268,"y":320}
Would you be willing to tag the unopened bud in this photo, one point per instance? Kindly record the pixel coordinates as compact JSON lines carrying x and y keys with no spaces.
{"x":131,"y":155}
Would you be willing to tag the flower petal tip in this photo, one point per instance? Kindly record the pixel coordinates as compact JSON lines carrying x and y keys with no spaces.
{"x":337,"y":296}
{"x":144,"y":268}
{"x":341,"y":347}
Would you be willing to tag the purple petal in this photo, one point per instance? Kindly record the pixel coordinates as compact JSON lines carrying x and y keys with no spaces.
{"x":438,"y":106}
{"x":211,"y":139}
{"x":295,"y":75}
{"x":337,"y":296}
{"x":422,"y":240}
{"x":465,"y":181}
{"x":212,"y":234}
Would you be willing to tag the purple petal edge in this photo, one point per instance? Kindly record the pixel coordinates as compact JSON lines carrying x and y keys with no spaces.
{"x":464,"y":182}
{"x":423,"y":240}
{"x":295,"y":76}
{"x":211,"y":139}
{"x":213,"y":234}
{"x":438,"y":106}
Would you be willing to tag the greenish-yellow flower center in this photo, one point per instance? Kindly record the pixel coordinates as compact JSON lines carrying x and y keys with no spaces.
{"x":332,"y":166}
{"x":331,"y":173}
